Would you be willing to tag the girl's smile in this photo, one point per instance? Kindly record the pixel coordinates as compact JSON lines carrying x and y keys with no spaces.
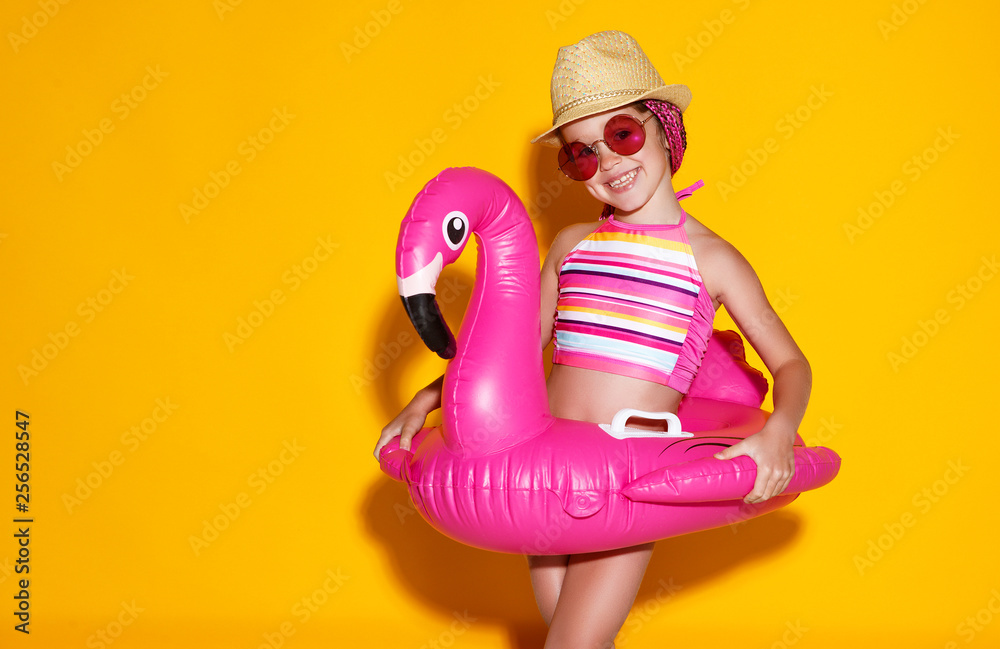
{"x":624,"y":182}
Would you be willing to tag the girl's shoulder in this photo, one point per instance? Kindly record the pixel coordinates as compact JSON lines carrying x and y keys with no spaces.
{"x":718,"y":260}
{"x":568,"y":238}
{"x":706,"y":245}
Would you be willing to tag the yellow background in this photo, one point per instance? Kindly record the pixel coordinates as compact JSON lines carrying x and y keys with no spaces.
{"x":329,"y":361}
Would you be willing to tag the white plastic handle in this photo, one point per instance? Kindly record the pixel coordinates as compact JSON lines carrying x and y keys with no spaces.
{"x":618,"y":430}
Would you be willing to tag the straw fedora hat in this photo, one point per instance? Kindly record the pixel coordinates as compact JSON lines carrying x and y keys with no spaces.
{"x":603,"y":71}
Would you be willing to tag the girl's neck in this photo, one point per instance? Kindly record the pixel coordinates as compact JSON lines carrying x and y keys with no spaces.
{"x":662,"y":208}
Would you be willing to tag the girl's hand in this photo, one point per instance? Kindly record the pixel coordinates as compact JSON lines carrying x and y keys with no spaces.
{"x":411,"y":419}
{"x":771,"y":450}
{"x":406,"y":424}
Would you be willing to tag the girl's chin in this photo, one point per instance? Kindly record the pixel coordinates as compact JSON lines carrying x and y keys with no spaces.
{"x":624,"y":204}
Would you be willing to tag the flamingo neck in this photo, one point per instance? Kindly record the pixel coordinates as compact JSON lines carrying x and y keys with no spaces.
{"x":494,"y":390}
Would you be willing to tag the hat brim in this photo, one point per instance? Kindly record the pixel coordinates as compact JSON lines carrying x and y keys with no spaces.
{"x":677,"y":94}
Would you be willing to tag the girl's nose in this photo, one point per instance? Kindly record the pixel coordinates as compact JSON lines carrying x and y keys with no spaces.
{"x":607,"y":157}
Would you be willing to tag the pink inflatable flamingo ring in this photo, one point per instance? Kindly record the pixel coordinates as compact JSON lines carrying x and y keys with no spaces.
{"x":501,"y":473}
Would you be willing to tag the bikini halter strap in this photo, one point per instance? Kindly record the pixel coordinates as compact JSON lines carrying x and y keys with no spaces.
{"x":684,"y":193}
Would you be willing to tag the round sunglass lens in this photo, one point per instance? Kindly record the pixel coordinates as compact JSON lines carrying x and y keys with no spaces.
{"x":624,"y":135}
{"x":577,"y":161}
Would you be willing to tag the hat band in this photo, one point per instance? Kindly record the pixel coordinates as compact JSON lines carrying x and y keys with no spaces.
{"x":603,"y":95}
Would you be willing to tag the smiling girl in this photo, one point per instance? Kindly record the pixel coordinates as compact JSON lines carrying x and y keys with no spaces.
{"x":630,"y":301}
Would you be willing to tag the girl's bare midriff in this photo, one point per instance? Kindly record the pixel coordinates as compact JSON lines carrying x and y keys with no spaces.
{"x":589,"y":395}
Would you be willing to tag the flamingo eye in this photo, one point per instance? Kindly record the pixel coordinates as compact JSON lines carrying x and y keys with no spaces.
{"x":456,"y":229}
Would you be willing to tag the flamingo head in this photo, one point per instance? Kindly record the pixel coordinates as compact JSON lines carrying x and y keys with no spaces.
{"x":433,"y":234}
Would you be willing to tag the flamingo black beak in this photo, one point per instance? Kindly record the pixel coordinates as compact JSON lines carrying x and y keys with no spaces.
{"x":430,"y":324}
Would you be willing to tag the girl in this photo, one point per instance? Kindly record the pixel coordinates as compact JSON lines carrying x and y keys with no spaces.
{"x":630,"y":302}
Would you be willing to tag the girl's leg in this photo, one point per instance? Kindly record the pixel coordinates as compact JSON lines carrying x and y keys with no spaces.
{"x":547,"y":573}
{"x":595,"y":597}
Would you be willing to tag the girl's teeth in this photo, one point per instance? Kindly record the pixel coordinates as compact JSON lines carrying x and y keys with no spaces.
{"x":624,"y":180}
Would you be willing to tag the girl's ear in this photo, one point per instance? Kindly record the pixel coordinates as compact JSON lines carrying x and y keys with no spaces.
{"x":662,"y":136}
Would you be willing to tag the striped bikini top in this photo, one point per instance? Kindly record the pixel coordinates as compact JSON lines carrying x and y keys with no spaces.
{"x":632,"y":302}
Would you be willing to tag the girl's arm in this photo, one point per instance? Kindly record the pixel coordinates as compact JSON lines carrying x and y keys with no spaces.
{"x":771,"y":448}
